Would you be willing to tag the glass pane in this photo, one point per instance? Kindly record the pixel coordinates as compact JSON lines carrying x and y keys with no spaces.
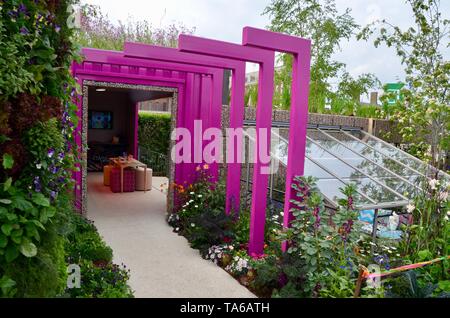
{"x":329,"y":185}
{"x":374,"y":155}
{"x":391,"y":151}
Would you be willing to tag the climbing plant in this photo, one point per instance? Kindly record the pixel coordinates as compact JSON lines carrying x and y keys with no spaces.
{"x":37,"y":131}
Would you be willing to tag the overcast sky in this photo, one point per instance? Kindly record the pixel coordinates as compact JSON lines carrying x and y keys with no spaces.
{"x":224,"y":20}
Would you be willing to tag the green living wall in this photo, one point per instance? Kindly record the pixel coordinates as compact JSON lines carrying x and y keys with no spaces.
{"x":39,"y":232}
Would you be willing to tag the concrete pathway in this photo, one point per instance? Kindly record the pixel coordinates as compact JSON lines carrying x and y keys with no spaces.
{"x":162,"y":264}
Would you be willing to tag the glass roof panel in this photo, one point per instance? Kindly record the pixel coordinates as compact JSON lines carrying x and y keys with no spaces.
{"x":383,"y":174}
{"x":376,"y":156}
{"x":391,"y":151}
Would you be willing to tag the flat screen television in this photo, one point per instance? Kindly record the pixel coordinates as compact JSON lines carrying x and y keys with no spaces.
{"x":100,"y":119}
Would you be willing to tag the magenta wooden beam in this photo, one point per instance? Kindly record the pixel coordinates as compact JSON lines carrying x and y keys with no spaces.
{"x":97,"y":66}
{"x":117,"y":57}
{"x":301,"y":51}
{"x":265,"y":59}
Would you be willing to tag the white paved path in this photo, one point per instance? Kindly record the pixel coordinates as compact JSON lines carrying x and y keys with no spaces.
{"x":162,"y":264}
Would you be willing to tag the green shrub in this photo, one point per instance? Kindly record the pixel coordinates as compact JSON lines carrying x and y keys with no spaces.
{"x":241,"y":228}
{"x":107,"y":281}
{"x":201,"y":216}
{"x":43,"y":275}
{"x":90,"y":246}
{"x":100,"y":278}
{"x":154,"y":131}
{"x":86,"y":243}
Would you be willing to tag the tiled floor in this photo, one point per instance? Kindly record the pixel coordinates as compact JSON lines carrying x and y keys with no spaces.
{"x":162,"y":263}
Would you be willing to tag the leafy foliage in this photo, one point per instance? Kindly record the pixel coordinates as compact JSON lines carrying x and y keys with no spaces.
{"x":98,"y":31}
{"x":423,"y":113}
{"x":100,"y":277}
{"x":325,"y":241}
{"x":201,"y":216}
{"x":321,"y":22}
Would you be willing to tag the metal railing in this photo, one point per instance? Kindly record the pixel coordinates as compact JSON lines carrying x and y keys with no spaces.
{"x":158,"y":162}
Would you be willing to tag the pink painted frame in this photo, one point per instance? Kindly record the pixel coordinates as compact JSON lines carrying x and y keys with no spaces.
{"x":265,"y":59}
{"x":236,"y":105}
{"x":200,"y":100}
{"x":93,"y":69}
{"x":301,"y":51}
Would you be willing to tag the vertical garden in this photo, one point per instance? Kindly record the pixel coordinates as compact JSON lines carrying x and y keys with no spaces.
{"x":38,"y":229}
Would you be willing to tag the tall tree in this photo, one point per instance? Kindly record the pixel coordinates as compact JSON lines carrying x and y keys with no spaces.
{"x":424,"y":112}
{"x":320,"y":21}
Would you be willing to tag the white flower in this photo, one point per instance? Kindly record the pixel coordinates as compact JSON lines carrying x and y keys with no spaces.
{"x":433,"y":183}
{"x":39,"y":165}
{"x":200,"y":195}
{"x":231,"y":247}
{"x":196,"y":206}
{"x":410,"y":208}
{"x":177,"y":229}
{"x":191,"y":192}
{"x":192,"y":224}
{"x":281,"y":213}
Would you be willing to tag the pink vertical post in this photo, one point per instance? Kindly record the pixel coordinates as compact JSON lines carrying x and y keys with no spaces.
{"x":215,"y":111}
{"x":301,"y":51}
{"x":236,"y":121}
{"x":265,"y":59}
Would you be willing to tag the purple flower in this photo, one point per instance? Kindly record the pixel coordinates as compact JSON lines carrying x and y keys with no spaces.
{"x":57,"y":28}
{"x":53,"y":195}
{"x":23,"y":9}
{"x":53,"y":169}
{"x":50,"y":152}
{"x":13,"y":14}
{"x":282,"y":279}
{"x":37,"y":184}
{"x":24,"y":31}
{"x":61,"y":156}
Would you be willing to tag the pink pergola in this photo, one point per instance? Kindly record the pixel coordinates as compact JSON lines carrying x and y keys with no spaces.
{"x":195,"y":69}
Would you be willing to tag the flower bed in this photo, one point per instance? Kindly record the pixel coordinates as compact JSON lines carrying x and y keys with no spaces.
{"x":326,"y":248}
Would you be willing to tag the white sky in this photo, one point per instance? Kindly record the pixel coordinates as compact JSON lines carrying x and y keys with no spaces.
{"x":224,"y":20}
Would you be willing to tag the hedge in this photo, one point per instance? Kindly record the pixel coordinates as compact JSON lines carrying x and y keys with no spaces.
{"x":154,"y":140}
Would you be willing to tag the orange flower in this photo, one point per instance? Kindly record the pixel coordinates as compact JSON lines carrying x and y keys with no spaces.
{"x":206,"y":166}
{"x":198,"y":168}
